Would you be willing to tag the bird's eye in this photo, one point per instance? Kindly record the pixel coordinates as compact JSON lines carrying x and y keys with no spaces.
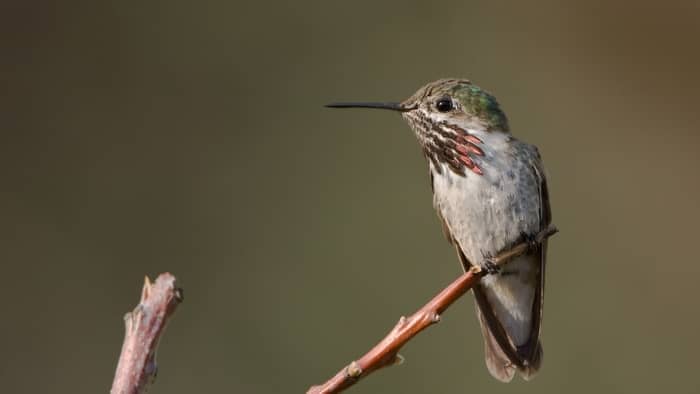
{"x":444,"y":105}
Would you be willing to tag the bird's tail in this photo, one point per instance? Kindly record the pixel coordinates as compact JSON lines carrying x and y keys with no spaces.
{"x":503,"y":362}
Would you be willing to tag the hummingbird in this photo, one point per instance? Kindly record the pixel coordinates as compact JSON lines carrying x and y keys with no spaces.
{"x":490,"y":194}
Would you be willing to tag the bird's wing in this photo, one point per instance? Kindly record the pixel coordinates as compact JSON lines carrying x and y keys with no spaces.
{"x":545,"y":221}
{"x":532,"y":351}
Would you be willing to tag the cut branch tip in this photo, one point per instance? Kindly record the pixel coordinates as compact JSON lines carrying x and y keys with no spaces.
{"x":146,"y":292}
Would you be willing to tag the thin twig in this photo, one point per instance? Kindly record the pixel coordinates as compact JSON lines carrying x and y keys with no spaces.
{"x":144,"y":326}
{"x":385,"y":353}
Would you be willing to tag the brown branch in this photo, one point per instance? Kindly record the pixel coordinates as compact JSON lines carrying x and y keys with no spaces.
{"x":144,"y":326}
{"x":385,"y":353}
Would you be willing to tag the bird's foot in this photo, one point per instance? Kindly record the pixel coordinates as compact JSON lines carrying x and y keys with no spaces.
{"x":491,"y":267}
{"x":530,"y":240}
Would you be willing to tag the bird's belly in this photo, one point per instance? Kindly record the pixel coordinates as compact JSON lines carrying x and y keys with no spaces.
{"x":488,"y":213}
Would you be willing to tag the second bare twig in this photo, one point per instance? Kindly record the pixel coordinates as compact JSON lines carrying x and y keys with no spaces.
{"x":144,"y":327}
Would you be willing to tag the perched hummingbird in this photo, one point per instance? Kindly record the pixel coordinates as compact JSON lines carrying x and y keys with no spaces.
{"x":490,"y":193}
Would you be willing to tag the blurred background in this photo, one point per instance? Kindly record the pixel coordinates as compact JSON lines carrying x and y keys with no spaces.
{"x":142,"y":137}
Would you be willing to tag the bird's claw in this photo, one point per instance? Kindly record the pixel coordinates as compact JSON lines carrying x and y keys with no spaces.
{"x":491,"y":268}
{"x":530,"y":240}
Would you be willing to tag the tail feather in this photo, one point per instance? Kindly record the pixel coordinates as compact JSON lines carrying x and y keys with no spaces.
{"x":497,"y":362}
{"x":529,"y":371}
{"x":500,"y":365}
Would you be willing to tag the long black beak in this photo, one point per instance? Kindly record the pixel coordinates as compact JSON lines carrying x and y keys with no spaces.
{"x":390,"y":106}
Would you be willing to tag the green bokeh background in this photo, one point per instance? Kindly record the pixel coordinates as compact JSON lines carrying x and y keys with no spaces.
{"x":141,"y":137}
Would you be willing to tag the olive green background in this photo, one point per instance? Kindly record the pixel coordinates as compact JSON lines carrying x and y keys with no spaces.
{"x":190,"y":137}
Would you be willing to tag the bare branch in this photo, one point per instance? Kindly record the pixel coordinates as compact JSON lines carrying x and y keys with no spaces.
{"x":385,"y":353}
{"x":144,"y":326}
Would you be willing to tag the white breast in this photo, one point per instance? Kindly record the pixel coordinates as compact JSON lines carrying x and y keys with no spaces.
{"x":486,"y":213}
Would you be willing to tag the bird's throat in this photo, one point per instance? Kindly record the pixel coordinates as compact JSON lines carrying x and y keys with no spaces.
{"x":449,"y":144}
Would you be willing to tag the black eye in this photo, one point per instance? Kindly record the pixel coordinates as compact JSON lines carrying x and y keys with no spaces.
{"x":444,"y":105}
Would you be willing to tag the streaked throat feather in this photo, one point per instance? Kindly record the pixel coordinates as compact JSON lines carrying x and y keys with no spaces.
{"x":447,"y":143}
